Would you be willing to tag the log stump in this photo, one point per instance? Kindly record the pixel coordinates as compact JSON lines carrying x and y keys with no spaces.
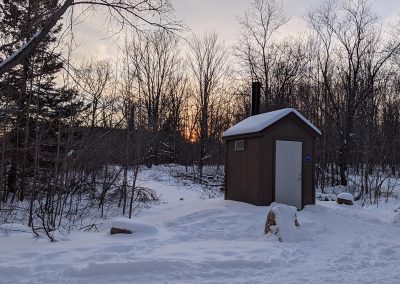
{"x":345,"y":198}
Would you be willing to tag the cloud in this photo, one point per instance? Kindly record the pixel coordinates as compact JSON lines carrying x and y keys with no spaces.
{"x":208,"y":15}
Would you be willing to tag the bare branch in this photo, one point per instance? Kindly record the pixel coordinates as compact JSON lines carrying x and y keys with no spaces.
{"x":123,"y":10}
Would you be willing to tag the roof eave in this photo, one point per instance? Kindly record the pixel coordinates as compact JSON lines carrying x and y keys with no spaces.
{"x":242,"y":135}
{"x":260,"y":132}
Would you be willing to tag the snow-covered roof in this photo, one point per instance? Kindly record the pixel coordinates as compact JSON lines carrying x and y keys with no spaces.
{"x":259,"y":122}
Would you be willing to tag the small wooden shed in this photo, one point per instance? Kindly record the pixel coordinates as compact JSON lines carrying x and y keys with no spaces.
{"x":270,"y":158}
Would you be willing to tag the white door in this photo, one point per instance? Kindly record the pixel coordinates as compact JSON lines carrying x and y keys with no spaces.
{"x":288,"y":161}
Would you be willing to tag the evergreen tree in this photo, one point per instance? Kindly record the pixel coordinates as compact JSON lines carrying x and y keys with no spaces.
{"x":38,"y":109}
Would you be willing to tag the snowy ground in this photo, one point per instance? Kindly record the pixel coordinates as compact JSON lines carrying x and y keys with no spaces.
{"x":214,"y":241}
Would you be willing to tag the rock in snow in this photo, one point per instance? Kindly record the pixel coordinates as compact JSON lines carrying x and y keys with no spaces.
{"x":120,"y":231}
{"x":128,"y":226}
{"x":345,"y":198}
{"x":282,"y":222}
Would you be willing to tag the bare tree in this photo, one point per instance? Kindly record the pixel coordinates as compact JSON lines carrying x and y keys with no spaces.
{"x":353,"y":53}
{"x":94,"y":80}
{"x":125,"y":12}
{"x":157,"y":67}
{"x":208,"y":63}
{"x":255,"y":49}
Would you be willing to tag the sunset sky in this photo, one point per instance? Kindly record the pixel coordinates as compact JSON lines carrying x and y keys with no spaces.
{"x":218,"y":15}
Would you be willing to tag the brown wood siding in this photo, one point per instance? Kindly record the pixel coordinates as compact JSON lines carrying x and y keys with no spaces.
{"x":290,"y":128}
{"x":242,"y":172}
{"x":250,"y":175}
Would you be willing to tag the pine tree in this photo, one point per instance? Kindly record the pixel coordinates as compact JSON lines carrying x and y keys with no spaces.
{"x":38,"y":109}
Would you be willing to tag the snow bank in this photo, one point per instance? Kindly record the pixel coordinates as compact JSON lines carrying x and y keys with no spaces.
{"x":287,"y":228}
{"x":215,"y":241}
{"x":14,"y":227}
{"x":138,"y":227}
{"x":396,"y":218}
{"x":325,"y":196}
{"x":346,"y":196}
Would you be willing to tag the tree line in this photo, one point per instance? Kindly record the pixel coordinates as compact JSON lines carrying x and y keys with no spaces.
{"x":80,"y":131}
